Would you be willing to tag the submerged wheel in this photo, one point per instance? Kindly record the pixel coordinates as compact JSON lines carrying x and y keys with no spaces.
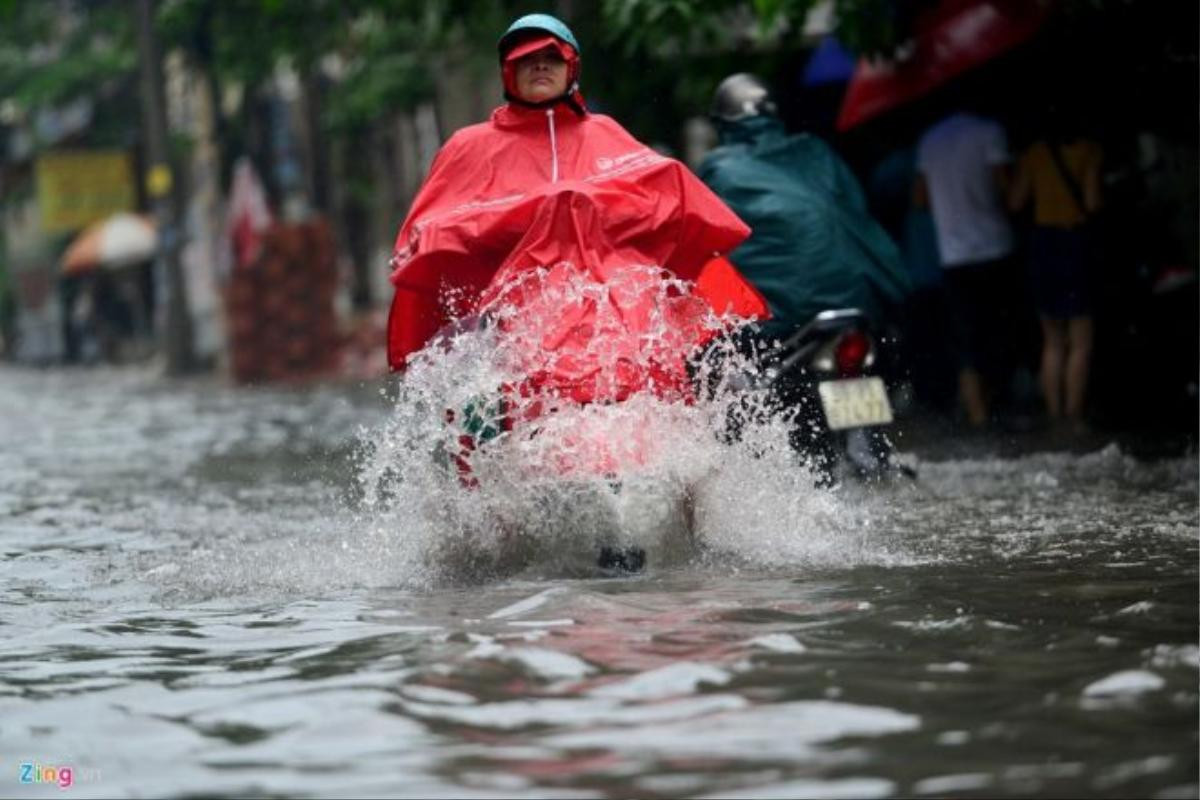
{"x":621,"y":559}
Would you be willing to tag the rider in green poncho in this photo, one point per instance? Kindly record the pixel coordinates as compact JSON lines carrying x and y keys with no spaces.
{"x":813,"y":244}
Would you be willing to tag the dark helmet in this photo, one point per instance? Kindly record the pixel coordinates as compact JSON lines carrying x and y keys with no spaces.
{"x":741,"y":96}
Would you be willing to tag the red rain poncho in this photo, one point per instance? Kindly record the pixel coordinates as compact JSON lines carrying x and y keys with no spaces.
{"x":534,"y":192}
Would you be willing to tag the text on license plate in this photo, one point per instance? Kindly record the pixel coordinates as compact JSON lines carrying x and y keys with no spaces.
{"x":855,"y":403}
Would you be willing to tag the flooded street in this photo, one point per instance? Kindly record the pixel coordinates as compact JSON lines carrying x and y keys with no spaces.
{"x":199,"y":597}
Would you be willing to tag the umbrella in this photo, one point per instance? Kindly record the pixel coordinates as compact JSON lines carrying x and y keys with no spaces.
{"x":117,"y":241}
{"x":959,"y":35}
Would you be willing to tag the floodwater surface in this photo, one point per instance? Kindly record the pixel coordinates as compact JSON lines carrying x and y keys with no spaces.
{"x":222,"y":592}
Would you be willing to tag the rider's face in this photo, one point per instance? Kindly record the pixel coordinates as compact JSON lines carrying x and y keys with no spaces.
{"x":541,"y":75}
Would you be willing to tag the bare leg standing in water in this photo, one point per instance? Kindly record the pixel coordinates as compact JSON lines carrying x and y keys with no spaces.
{"x":973,"y":396}
{"x":1066,"y":362}
{"x":1054,"y":347}
{"x":1079,"y":360}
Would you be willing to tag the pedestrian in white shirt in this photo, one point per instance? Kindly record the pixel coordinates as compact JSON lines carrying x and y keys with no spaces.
{"x":962,"y":164}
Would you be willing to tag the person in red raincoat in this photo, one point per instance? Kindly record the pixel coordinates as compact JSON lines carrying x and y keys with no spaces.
{"x":545,"y":193}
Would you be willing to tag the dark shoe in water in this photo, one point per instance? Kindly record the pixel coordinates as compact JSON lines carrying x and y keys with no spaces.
{"x":623,"y":559}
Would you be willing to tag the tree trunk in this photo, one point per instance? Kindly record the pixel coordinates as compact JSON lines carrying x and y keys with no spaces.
{"x":315,"y":143}
{"x":357,"y":178}
{"x":164,"y":192}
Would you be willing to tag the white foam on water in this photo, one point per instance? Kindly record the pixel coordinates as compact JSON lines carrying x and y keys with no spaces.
{"x":1166,"y":656}
{"x":528,"y":604}
{"x":576,"y":713}
{"x":436,"y":694}
{"x":953,"y":738}
{"x":832,"y":789}
{"x":1129,"y":770}
{"x":1126,"y":682}
{"x":673,"y":680}
{"x":550,"y":664}
{"x":959,"y":782}
{"x":1140,"y":607}
{"x":653,"y":472}
{"x":786,"y":731}
{"x":551,"y":480}
{"x":779,"y":642}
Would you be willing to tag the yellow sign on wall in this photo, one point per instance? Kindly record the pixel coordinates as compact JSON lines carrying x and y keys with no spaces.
{"x":78,"y":187}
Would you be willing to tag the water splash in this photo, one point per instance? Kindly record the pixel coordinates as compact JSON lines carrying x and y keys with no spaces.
{"x":562,"y":419}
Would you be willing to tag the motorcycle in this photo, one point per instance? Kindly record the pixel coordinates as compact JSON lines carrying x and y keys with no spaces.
{"x":533,"y":429}
{"x":826,"y":377}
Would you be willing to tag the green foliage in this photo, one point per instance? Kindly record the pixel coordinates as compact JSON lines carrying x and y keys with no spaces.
{"x":243,"y":40}
{"x":671,"y":27}
{"x":384,"y":58}
{"x":667,"y":51}
{"x":682,"y":49}
{"x":651,"y":63}
{"x":45,"y":60}
{"x":384,"y":48}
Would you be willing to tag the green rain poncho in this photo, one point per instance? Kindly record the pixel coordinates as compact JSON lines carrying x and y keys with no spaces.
{"x":813,"y":245}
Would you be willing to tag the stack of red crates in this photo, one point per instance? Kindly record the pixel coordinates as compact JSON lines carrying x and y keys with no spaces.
{"x":282,"y":324}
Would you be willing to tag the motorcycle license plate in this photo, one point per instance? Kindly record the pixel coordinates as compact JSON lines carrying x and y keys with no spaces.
{"x":855,"y":403}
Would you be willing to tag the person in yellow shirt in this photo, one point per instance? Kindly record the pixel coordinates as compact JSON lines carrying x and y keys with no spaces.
{"x":1060,"y":176}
